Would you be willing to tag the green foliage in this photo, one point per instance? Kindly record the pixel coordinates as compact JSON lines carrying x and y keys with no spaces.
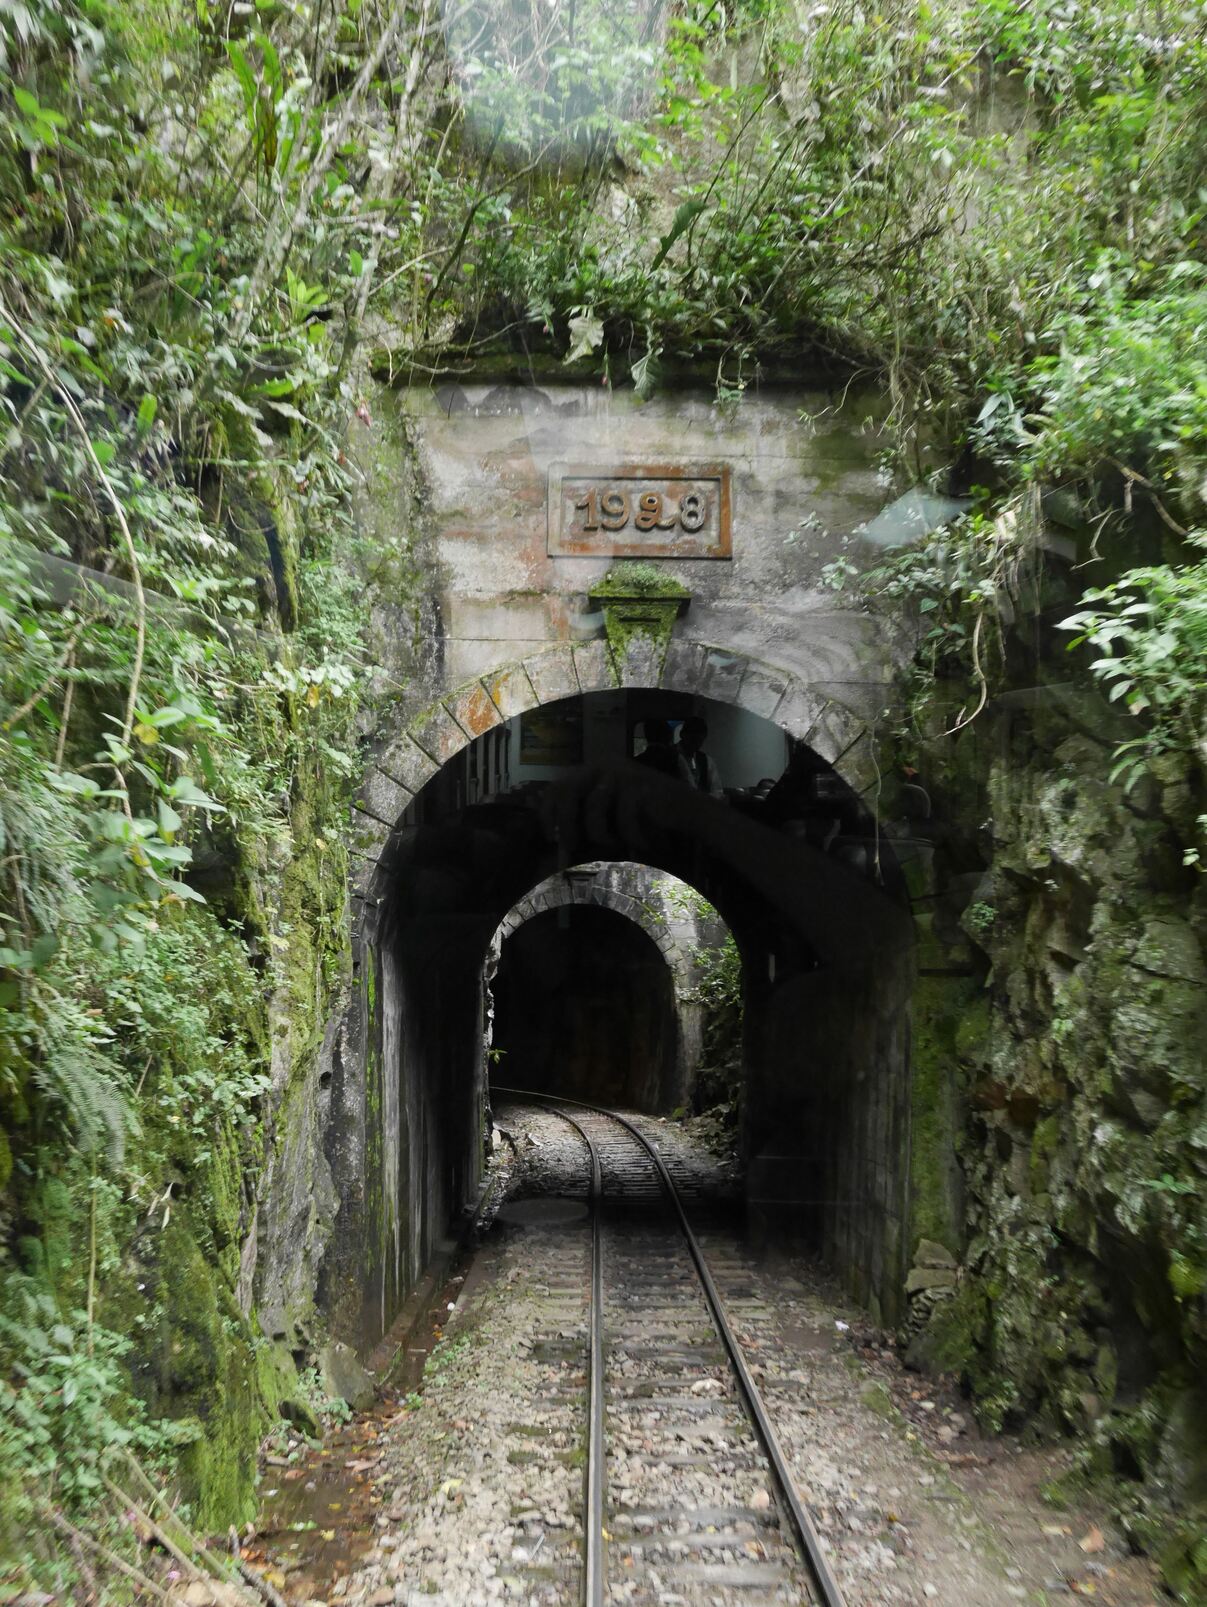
{"x":66,"y":1406}
{"x":1129,"y":384}
{"x":183,"y":261}
{"x":1149,"y":629}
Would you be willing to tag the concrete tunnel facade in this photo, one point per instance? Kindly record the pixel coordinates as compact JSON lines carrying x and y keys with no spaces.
{"x":508,"y":626}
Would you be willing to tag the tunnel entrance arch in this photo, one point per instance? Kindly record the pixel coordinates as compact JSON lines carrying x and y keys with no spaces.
{"x":826,"y":943}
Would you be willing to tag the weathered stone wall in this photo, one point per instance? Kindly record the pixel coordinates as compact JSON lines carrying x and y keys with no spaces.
{"x":1070,"y":1069}
{"x":456,"y":494}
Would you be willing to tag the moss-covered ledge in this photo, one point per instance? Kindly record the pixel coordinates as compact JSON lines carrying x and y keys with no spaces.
{"x":640,"y":605}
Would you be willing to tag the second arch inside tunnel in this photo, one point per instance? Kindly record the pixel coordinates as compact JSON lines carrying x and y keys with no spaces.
{"x":615,"y":983}
{"x":584,"y":1007}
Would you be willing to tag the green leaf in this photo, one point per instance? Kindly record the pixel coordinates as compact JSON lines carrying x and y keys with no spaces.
{"x":247,"y":79}
{"x":147,"y":410}
{"x":680,"y":223}
{"x":169,"y":820}
{"x":189,"y":894}
{"x":186,"y":791}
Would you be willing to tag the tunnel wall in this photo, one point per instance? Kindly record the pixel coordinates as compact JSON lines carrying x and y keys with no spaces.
{"x":827,"y":1118}
{"x":403,"y":1140}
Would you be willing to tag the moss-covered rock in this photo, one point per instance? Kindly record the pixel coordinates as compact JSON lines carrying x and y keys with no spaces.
{"x":1080,"y":1121}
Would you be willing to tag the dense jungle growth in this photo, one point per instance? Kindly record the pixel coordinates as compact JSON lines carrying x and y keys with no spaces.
{"x":219,"y":222}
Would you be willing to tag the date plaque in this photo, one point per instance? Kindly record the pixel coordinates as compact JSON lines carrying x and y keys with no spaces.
{"x":639,"y":510}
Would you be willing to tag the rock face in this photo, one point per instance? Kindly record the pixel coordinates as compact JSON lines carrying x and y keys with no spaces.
{"x":1074,"y":1082}
{"x":344,"y":1378}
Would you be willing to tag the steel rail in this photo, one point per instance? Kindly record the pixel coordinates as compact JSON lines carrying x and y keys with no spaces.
{"x":827,"y":1587}
{"x":594,"y":1564}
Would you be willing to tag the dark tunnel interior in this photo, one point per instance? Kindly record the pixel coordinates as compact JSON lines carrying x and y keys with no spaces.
{"x":584,"y":1008}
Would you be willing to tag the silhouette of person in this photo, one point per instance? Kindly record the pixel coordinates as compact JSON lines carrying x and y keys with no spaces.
{"x":660,"y":752}
{"x":705,"y":777}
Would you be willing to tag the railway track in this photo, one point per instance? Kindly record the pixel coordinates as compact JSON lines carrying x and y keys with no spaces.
{"x":687,"y":1494}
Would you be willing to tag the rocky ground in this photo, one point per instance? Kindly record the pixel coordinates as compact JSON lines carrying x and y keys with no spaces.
{"x":467,"y":1490}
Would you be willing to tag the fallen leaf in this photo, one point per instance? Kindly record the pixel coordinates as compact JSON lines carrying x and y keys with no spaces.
{"x":1093,"y":1539}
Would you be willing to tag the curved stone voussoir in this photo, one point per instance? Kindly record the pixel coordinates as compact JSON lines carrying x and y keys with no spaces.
{"x":473,"y":708}
{"x":511,"y":691}
{"x":552,"y":674}
{"x":405,"y":762}
{"x":594,"y":666}
{"x":382,"y":797}
{"x":762,"y":689}
{"x":438,"y":734}
{"x":713,"y":672}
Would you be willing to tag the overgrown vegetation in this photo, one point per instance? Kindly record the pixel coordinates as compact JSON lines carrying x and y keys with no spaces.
{"x":717,"y":990}
{"x":181,"y":672}
{"x":207,"y":211}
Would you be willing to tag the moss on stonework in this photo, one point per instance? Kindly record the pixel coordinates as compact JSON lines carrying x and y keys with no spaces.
{"x":207,"y":1364}
{"x":638,"y":578}
{"x":941,"y":1010}
{"x":1082,"y":1307}
{"x":640,"y":606}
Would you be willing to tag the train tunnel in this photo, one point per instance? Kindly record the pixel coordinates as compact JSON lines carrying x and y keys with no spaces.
{"x":797,"y":865}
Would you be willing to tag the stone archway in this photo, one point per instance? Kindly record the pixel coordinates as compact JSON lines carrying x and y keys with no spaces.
{"x":826,"y":969}
{"x":574,"y":888}
{"x":408,"y":760}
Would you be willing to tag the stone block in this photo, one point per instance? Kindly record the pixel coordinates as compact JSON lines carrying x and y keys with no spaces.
{"x":473,"y":709}
{"x":594,"y":667}
{"x":920,"y":1278}
{"x":683,"y":669}
{"x":933,"y":1254}
{"x":344,"y":1378}
{"x":511,"y":690}
{"x":552,"y":674}
{"x":799,"y":711}
{"x":641,"y":665}
{"x":381,"y":797}
{"x":439,"y":735}
{"x":405,"y":762}
{"x":835,"y":733}
{"x":368,"y":835}
{"x":762,"y":689}
{"x":721,"y":674}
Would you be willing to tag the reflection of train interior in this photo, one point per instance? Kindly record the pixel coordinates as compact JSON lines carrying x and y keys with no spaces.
{"x":759,"y":771}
